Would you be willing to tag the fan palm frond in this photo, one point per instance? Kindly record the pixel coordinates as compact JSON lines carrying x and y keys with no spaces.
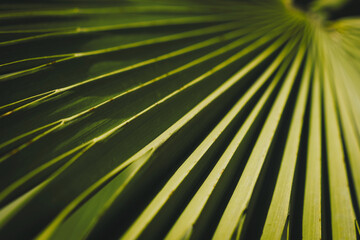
{"x":179,"y":120}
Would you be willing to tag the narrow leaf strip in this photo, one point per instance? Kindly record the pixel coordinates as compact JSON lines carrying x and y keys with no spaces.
{"x":312,"y":196}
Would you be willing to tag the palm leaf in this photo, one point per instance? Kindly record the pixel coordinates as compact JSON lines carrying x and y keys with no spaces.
{"x":179,"y":120}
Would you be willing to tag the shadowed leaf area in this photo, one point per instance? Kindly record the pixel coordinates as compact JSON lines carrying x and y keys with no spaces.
{"x":180,"y":119}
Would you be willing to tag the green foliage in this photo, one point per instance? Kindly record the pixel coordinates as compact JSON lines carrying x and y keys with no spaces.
{"x":178,"y":120}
